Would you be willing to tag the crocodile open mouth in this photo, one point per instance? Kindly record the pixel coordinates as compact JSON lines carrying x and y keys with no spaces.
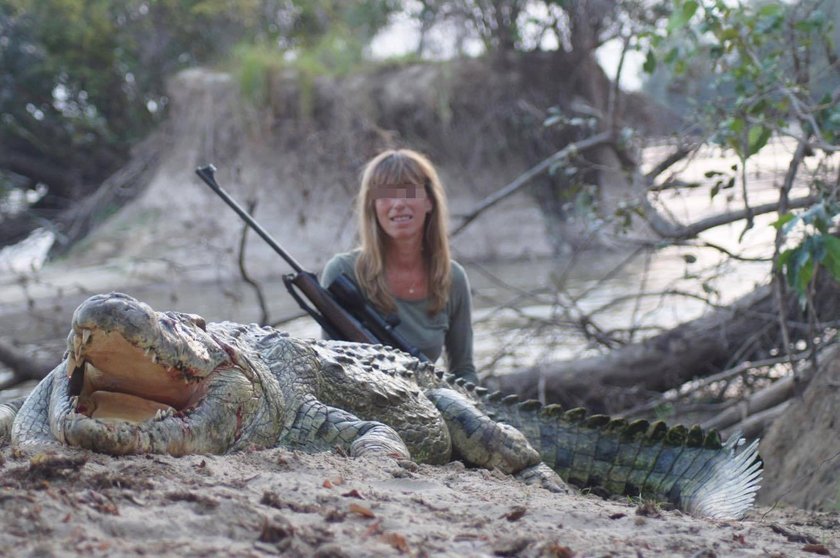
{"x":114,"y":380}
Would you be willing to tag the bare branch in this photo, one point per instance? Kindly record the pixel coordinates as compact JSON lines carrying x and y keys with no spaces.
{"x":764,"y":399}
{"x":779,"y":290}
{"x":680,"y":153}
{"x":668,"y":229}
{"x":723,"y":376}
{"x":615,"y":90}
{"x":696,"y":348}
{"x":755,"y":425}
{"x":729,"y":253}
{"x":530,"y":174}
{"x":251,"y":205}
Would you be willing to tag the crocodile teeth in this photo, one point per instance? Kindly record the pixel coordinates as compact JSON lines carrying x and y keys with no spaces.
{"x":74,"y":402}
{"x":71,"y":365}
{"x":162,"y":414}
{"x":151,"y":355}
{"x":79,"y":343}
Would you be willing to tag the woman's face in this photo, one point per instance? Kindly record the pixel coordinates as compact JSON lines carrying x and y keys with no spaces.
{"x":401,"y":210}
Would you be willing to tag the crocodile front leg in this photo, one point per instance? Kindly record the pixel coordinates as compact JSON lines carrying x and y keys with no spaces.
{"x":31,"y":423}
{"x":8,"y":411}
{"x":318,"y":426}
{"x":481,"y":441}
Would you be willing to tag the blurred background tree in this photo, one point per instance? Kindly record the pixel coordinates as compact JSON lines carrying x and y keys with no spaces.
{"x":81,"y":81}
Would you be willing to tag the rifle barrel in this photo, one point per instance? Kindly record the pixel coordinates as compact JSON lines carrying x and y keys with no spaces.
{"x":206,"y":173}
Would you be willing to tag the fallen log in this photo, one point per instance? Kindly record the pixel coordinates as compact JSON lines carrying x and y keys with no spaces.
{"x":23,"y":366}
{"x":772,"y":396}
{"x":754,"y":426}
{"x":631,"y":374}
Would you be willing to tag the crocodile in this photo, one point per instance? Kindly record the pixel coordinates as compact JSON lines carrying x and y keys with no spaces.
{"x":134,"y":381}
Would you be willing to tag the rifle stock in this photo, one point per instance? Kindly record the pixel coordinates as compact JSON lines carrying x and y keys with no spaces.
{"x":341,"y":311}
{"x":337,"y":322}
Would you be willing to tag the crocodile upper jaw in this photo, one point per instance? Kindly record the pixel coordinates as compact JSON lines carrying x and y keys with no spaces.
{"x":113,"y":379}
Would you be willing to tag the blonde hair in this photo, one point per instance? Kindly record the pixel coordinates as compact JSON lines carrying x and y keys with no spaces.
{"x":402,"y":166}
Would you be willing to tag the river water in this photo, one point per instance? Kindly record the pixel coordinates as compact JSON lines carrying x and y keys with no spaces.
{"x":526,"y":311}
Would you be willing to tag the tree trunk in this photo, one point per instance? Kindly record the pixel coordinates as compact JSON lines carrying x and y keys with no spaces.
{"x":698,"y":348}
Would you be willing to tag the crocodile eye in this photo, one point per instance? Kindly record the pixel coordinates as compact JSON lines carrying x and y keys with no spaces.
{"x":199,"y":322}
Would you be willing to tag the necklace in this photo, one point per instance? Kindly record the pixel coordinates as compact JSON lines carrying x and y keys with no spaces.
{"x":409,"y":283}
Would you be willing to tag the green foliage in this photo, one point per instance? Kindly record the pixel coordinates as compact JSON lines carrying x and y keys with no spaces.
{"x":681,"y":16}
{"x":722,"y":180}
{"x":817,"y":247}
{"x":318,"y":37}
{"x":253,"y":66}
{"x":59,"y":79}
{"x":732,"y":56}
{"x":337,"y":52}
{"x":82,"y":80}
{"x":402,"y":60}
{"x":768,"y":61}
{"x":753,"y":68}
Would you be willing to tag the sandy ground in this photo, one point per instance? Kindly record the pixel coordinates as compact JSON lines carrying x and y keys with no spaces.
{"x":278,"y":502}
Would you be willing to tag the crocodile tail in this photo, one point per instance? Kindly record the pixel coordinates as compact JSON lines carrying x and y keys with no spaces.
{"x":730,"y":487}
{"x":690,"y":468}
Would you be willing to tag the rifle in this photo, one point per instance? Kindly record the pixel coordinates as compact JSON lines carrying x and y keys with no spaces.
{"x":341,"y":309}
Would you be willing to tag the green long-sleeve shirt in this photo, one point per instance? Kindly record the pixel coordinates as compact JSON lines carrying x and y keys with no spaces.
{"x":451,"y":328}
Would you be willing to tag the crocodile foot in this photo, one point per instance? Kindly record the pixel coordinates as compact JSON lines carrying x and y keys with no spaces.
{"x":545,"y":476}
{"x":380,"y":440}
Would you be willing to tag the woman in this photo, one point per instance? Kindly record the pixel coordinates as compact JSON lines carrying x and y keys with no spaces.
{"x":403,"y":264}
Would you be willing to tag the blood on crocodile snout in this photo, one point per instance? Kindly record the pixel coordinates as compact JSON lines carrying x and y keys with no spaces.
{"x":239,"y":422}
